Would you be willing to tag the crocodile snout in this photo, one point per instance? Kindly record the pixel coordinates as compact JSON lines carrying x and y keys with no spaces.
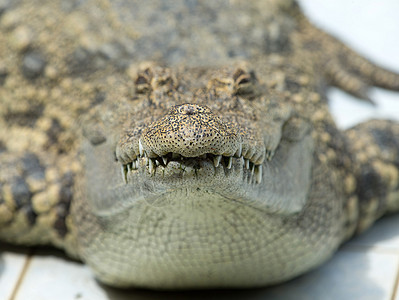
{"x":190,"y":130}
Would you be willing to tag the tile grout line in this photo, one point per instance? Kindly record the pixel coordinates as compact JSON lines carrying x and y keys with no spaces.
{"x":22,"y":275}
{"x":395,"y":285}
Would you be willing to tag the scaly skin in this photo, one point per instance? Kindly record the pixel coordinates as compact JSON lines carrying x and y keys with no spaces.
{"x":186,"y":173}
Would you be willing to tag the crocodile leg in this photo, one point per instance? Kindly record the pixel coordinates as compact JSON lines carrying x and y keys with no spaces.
{"x":373,"y":145}
{"x":34,"y":201}
{"x":342,"y":67}
{"x":375,"y":148}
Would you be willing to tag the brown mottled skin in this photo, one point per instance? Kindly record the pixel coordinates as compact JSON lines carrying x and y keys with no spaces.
{"x":217,"y":165}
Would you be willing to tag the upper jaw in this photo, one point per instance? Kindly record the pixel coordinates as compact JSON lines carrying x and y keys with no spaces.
{"x":191,"y":136}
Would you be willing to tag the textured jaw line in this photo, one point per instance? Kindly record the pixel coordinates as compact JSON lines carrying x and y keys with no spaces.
{"x":189,"y":134}
{"x":150,"y":164}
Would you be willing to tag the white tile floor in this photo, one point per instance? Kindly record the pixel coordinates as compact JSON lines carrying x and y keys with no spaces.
{"x":365,"y":268}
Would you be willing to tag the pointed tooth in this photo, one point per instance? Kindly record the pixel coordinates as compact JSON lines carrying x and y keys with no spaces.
{"x":216,"y":160}
{"x":134,"y":165}
{"x":270,"y":156}
{"x":150,"y":165}
{"x":259,"y":174}
{"x":157,"y":163}
{"x":242,"y":161}
{"x":230,"y":162}
{"x":253,"y":170}
{"x":247,"y":164}
{"x":146,"y":160}
{"x":129,"y":167}
{"x":165,"y":160}
{"x":239,"y":151}
{"x":250,"y":153}
{"x":123,"y":171}
{"x":141,"y":149}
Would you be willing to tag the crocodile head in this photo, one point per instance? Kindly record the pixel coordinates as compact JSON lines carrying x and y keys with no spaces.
{"x":192,"y":149}
{"x":211,"y":132}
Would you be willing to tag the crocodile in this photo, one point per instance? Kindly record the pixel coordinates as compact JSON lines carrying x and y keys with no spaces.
{"x":185,"y":144}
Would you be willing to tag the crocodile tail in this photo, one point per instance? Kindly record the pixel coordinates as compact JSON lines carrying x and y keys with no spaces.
{"x":35,"y":202}
{"x":375,"y":149}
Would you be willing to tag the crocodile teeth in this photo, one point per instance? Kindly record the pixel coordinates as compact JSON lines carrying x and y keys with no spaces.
{"x":253,"y":170}
{"x":124,"y":176}
{"x":216,"y":160}
{"x":239,"y":151}
{"x":269,"y":154}
{"x":259,"y":174}
{"x":165,"y":160}
{"x":230,"y":162}
{"x":141,"y":150}
{"x":150,"y":165}
{"x":247,"y":164}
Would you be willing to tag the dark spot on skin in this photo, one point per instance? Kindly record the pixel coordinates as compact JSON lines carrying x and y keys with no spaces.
{"x":99,"y":97}
{"x":54,"y":131}
{"x":33,"y":65}
{"x":66,"y":193}
{"x":66,"y":196}
{"x":3,"y":76}
{"x":25,"y":118}
{"x":59,"y":224}
{"x":371,"y":185}
{"x":141,"y":80}
{"x":386,"y":139}
{"x":4,"y":5}
{"x":3,"y":146}
{"x":20,"y":192}
{"x":292,"y":85}
{"x":31,"y":164}
{"x":30,"y":214}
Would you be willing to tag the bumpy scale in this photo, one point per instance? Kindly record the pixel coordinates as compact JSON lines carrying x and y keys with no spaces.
{"x":200,"y":171}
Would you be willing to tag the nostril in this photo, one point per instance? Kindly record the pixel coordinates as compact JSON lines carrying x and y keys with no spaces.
{"x":188,"y":110}
{"x":190,"y":130}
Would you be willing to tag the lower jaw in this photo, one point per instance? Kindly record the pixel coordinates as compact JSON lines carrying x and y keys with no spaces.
{"x":199,"y":242}
{"x":201,"y":173}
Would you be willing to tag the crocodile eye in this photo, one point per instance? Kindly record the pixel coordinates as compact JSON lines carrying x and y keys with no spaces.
{"x":235,"y":81}
{"x":155,"y":78}
{"x":143,"y":81}
{"x":164,"y":82}
{"x":244,"y":82}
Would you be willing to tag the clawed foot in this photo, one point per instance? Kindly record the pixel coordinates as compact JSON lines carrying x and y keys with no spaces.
{"x":343,"y":67}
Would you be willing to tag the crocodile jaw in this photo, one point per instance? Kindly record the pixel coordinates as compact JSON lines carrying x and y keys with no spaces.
{"x":195,"y":238}
{"x":280,"y":190}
